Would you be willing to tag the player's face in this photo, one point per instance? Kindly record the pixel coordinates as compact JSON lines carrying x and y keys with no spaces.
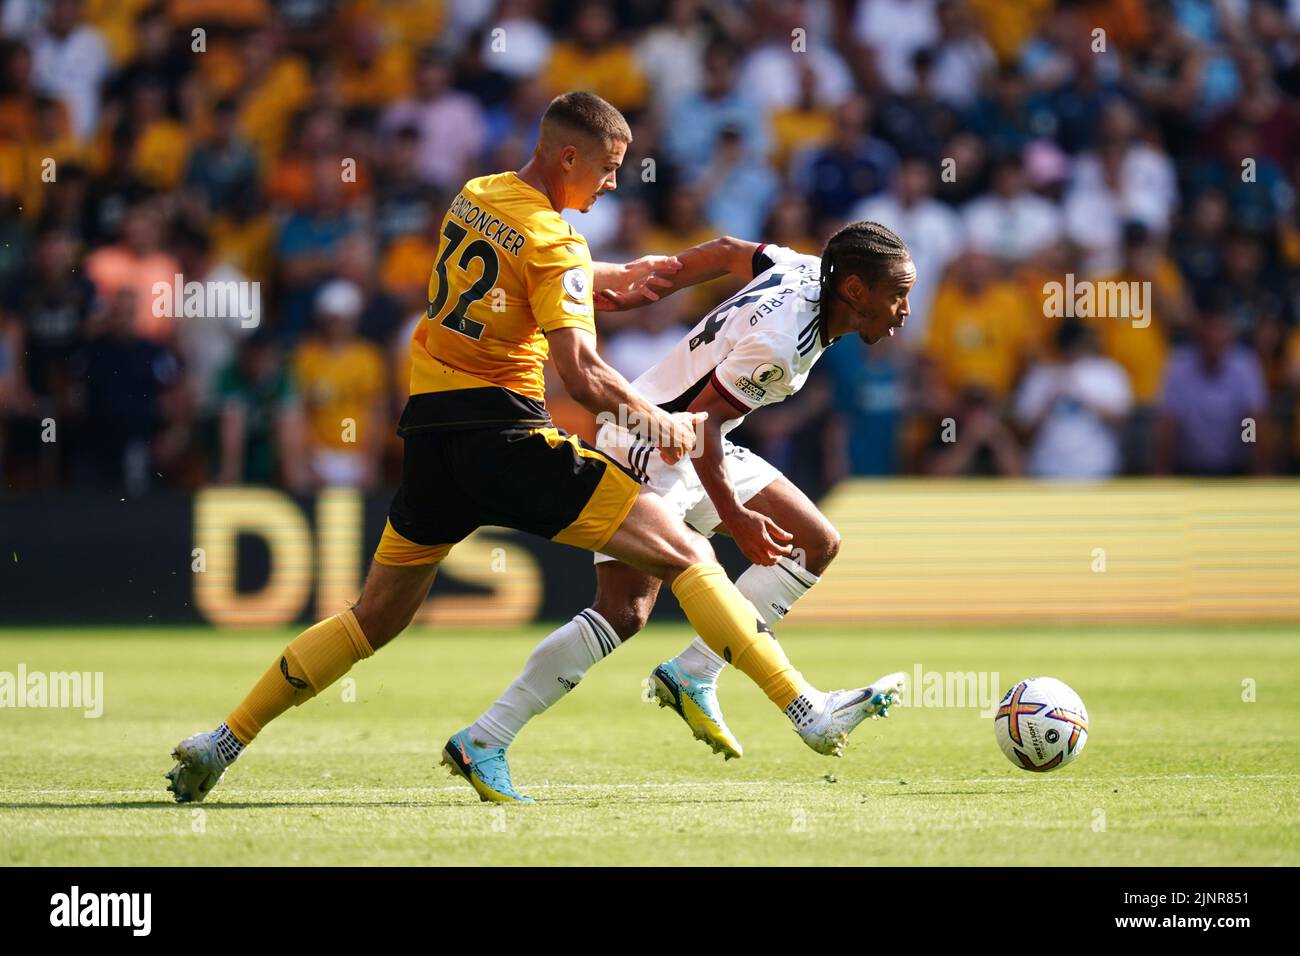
{"x":594,"y":173}
{"x":880,"y":308}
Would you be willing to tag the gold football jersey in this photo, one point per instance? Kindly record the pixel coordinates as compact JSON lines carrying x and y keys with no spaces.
{"x":509,"y":269}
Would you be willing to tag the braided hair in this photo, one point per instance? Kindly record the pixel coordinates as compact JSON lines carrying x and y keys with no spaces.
{"x":865,"y":249}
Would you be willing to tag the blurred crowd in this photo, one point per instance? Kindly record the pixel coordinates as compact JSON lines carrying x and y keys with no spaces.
{"x":312,"y":146}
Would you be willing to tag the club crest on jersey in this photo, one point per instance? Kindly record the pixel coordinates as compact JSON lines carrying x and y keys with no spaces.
{"x":575,"y":283}
{"x":767,"y":374}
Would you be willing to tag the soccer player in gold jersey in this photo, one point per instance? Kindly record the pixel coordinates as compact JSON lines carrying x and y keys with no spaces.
{"x":512,"y":283}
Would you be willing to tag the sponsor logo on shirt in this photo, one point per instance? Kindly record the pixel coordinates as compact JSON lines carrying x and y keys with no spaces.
{"x":750,"y":388}
{"x":575,"y":309}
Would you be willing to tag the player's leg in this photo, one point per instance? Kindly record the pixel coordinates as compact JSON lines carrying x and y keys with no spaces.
{"x":653,"y":539}
{"x":624,"y":599}
{"x":326,"y":651}
{"x":311,"y":662}
{"x":772,"y":589}
{"x":401,"y":574}
{"x":553,"y":485}
{"x":823,"y":721}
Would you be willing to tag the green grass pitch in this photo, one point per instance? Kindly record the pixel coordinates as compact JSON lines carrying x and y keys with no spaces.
{"x":1179,"y":768}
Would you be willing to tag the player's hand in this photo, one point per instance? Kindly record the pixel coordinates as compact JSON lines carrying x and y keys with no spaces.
{"x":644,"y":279}
{"x":759,"y":538}
{"x":676,"y":434}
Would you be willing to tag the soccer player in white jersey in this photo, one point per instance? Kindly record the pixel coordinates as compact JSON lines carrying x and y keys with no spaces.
{"x":753,"y":350}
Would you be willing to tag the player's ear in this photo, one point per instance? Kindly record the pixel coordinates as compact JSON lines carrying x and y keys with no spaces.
{"x":854,"y":289}
{"x":568,"y":157}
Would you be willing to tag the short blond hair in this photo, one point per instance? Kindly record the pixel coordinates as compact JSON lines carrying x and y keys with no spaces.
{"x":584,"y":113}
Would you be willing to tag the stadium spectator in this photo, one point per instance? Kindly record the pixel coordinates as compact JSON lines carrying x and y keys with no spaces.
{"x":53,"y":310}
{"x":260,"y":435}
{"x":696,"y":123}
{"x":917,"y":123}
{"x":1001,"y":117}
{"x":866,"y":407}
{"x":791,"y":44}
{"x":1198,"y":247}
{"x":1243,"y":170}
{"x":1010,"y":222}
{"x":522,"y":48}
{"x":122,"y":380}
{"x":224,"y":166}
{"x":274,"y":84}
{"x":671,"y":54}
{"x":70,"y":61}
{"x":791,"y":225}
{"x":1214,"y":404}
{"x":984,"y":328}
{"x":371,"y":72}
{"x":1140,"y":344}
{"x":154,"y":60}
{"x":451,"y":124}
{"x":594,"y":59}
{"x":963,"y":58}
{"x":207,"y":340}
{"x":14,"y":399}
{"x":1257,"y":291}
{"x":1071,"y":109}
{"x":802,"y":125}
{"x":342,"y":381}
{"x":973,"y":440}
{"x":850,"y":167}
{"x":388,"y":298}
{"x":1071,"y":410}
{"x":476,"y":73}
{"x":135,"y":264}
{"x":1124,"y":179}
{"x":740,"y":187}
{"x":894,"y":30}
{"x":307,"y":245}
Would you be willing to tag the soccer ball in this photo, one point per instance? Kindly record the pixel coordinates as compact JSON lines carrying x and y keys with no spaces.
{"x":1041,"y":724}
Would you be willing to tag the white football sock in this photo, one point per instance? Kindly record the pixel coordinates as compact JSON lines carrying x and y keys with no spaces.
{"x":228,"y":746}
{"x":772,"y":590}
{"x":699,"y":661}
{"x":553,"y":669}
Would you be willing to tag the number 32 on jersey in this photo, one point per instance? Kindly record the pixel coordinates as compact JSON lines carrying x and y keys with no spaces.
{"x":456,"y":320}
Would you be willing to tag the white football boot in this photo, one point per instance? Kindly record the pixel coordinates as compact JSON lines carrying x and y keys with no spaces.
{"x":827,"y":730}
{"x":200,"y":767}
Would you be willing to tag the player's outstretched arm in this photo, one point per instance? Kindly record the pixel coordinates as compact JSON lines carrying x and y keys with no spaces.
{"x":759,"y":538}
{"x":725,"y":255}
{"x":599,"y":388}
{"x":638,"y":281}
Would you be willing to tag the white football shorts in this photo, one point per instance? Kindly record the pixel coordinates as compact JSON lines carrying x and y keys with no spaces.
{"x":678,"y":485}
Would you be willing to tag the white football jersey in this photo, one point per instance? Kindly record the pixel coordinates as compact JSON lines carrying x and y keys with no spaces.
{"x":756,"y":348}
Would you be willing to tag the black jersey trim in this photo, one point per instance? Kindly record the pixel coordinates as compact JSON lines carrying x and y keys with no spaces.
{"x":683,"y":401}
{"x":486,"y":407}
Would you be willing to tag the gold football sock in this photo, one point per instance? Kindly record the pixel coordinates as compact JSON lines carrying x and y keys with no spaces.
{"x":734,"y":631}
{"x":314,"y":659}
